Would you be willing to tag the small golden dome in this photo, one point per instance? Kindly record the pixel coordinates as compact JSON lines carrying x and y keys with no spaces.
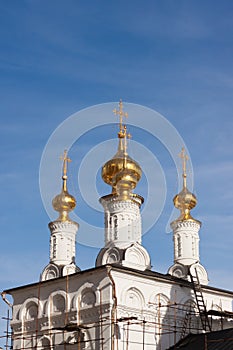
{"x":185,"y":201}
{"x":64,"y":202}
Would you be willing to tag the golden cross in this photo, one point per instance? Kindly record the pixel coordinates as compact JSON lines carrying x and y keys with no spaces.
{"x":183,"y":155}
{"x":121,"y":115}
{"x":65,"y":159}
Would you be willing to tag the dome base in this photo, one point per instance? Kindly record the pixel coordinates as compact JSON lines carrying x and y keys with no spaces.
{"x":54,"y":271}
{"x":134,"y":256}
{"x":183,"y":271}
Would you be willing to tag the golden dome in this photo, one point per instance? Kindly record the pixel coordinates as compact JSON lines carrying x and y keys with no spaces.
{"x":64,"y":202}
{"x":121,"y":171}
{"x":121,"y":161}
{"x":121,"y":165}
{"x":185,"y":200}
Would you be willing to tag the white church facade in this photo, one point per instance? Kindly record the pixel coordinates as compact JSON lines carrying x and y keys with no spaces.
{"x":120,"y":304}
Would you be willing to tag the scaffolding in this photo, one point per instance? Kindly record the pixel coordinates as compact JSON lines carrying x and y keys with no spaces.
{"x":156,"y":327}
{"x":7,"y":333}
{"x":170,"y":319}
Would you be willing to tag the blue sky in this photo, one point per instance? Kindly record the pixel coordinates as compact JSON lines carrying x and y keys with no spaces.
{"x":59,"y":57}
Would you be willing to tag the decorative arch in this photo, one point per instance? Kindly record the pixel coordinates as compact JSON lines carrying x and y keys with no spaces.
{"x":58,"y":301}
{"x":201,"y":272}
{"x":77,"y":337}
{"x":133,"y":298}
{"x":136,"y":255}
{"x":51,"y":271}
{"x":112,"y":256}
{"x":159,"y":298}
{"x":216,"y":307}
{"x":87,"y":296}
{"x":30,"y":309}
{"x":160,"y":301}
{"x":44,"y":343}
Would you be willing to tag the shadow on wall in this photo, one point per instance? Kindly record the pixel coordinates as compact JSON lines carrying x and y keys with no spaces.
{"x":177,"y":316}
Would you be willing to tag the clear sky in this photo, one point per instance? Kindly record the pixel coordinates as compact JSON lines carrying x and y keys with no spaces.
{"x":58,"y":57}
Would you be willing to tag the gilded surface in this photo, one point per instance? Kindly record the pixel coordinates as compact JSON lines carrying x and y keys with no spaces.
{"x":122,"y":172}
{"x":64,"y":202}
{"x":185,"y":200}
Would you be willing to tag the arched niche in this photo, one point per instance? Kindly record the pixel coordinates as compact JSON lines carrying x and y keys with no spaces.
{"x":44,"y":343}
{"x":161,"y":303}
{"x":30,"y":309}
{"x":87,"y":296}
{"x":58,"y":302}
{"x":133,"y":298}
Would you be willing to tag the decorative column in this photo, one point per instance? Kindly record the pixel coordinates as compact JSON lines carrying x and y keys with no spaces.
{"x":63,"y":233}
{"x":186,"y":234}
{"x":123,"y":231}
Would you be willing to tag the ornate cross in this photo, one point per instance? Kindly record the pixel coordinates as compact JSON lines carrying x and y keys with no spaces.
{"x":121,"y":115}
{"x":65,"y":160}
{"x":183,"y":155}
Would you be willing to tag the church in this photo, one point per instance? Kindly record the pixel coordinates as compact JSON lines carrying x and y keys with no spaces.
{"x":121,"y":303}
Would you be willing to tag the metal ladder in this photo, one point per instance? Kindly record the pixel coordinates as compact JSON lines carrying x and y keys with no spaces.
{"x":205,"y":322}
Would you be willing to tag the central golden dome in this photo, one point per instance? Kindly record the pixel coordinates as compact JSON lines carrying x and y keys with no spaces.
{"x":121,"y":171}
{"x":120,"y":161}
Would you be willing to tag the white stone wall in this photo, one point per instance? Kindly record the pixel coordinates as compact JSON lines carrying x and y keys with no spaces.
{"x":122,"y":221}
{"x":41,"y":312}
{"x":152,"y":310}
{"x":115,"y":308}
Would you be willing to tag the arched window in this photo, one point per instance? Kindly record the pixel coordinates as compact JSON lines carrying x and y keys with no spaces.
{"x":31,"y":311}
{"x":88,"y":298}
{"x":54,"y":247}
{"x":59,"y":303}
{"x":76,"y":340}
{"x":115,"y":221}
{"x":179,"y":246}
{"x":44,"y":344}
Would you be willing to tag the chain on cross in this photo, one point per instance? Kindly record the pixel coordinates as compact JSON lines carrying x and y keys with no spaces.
{"x":126,"y":136}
